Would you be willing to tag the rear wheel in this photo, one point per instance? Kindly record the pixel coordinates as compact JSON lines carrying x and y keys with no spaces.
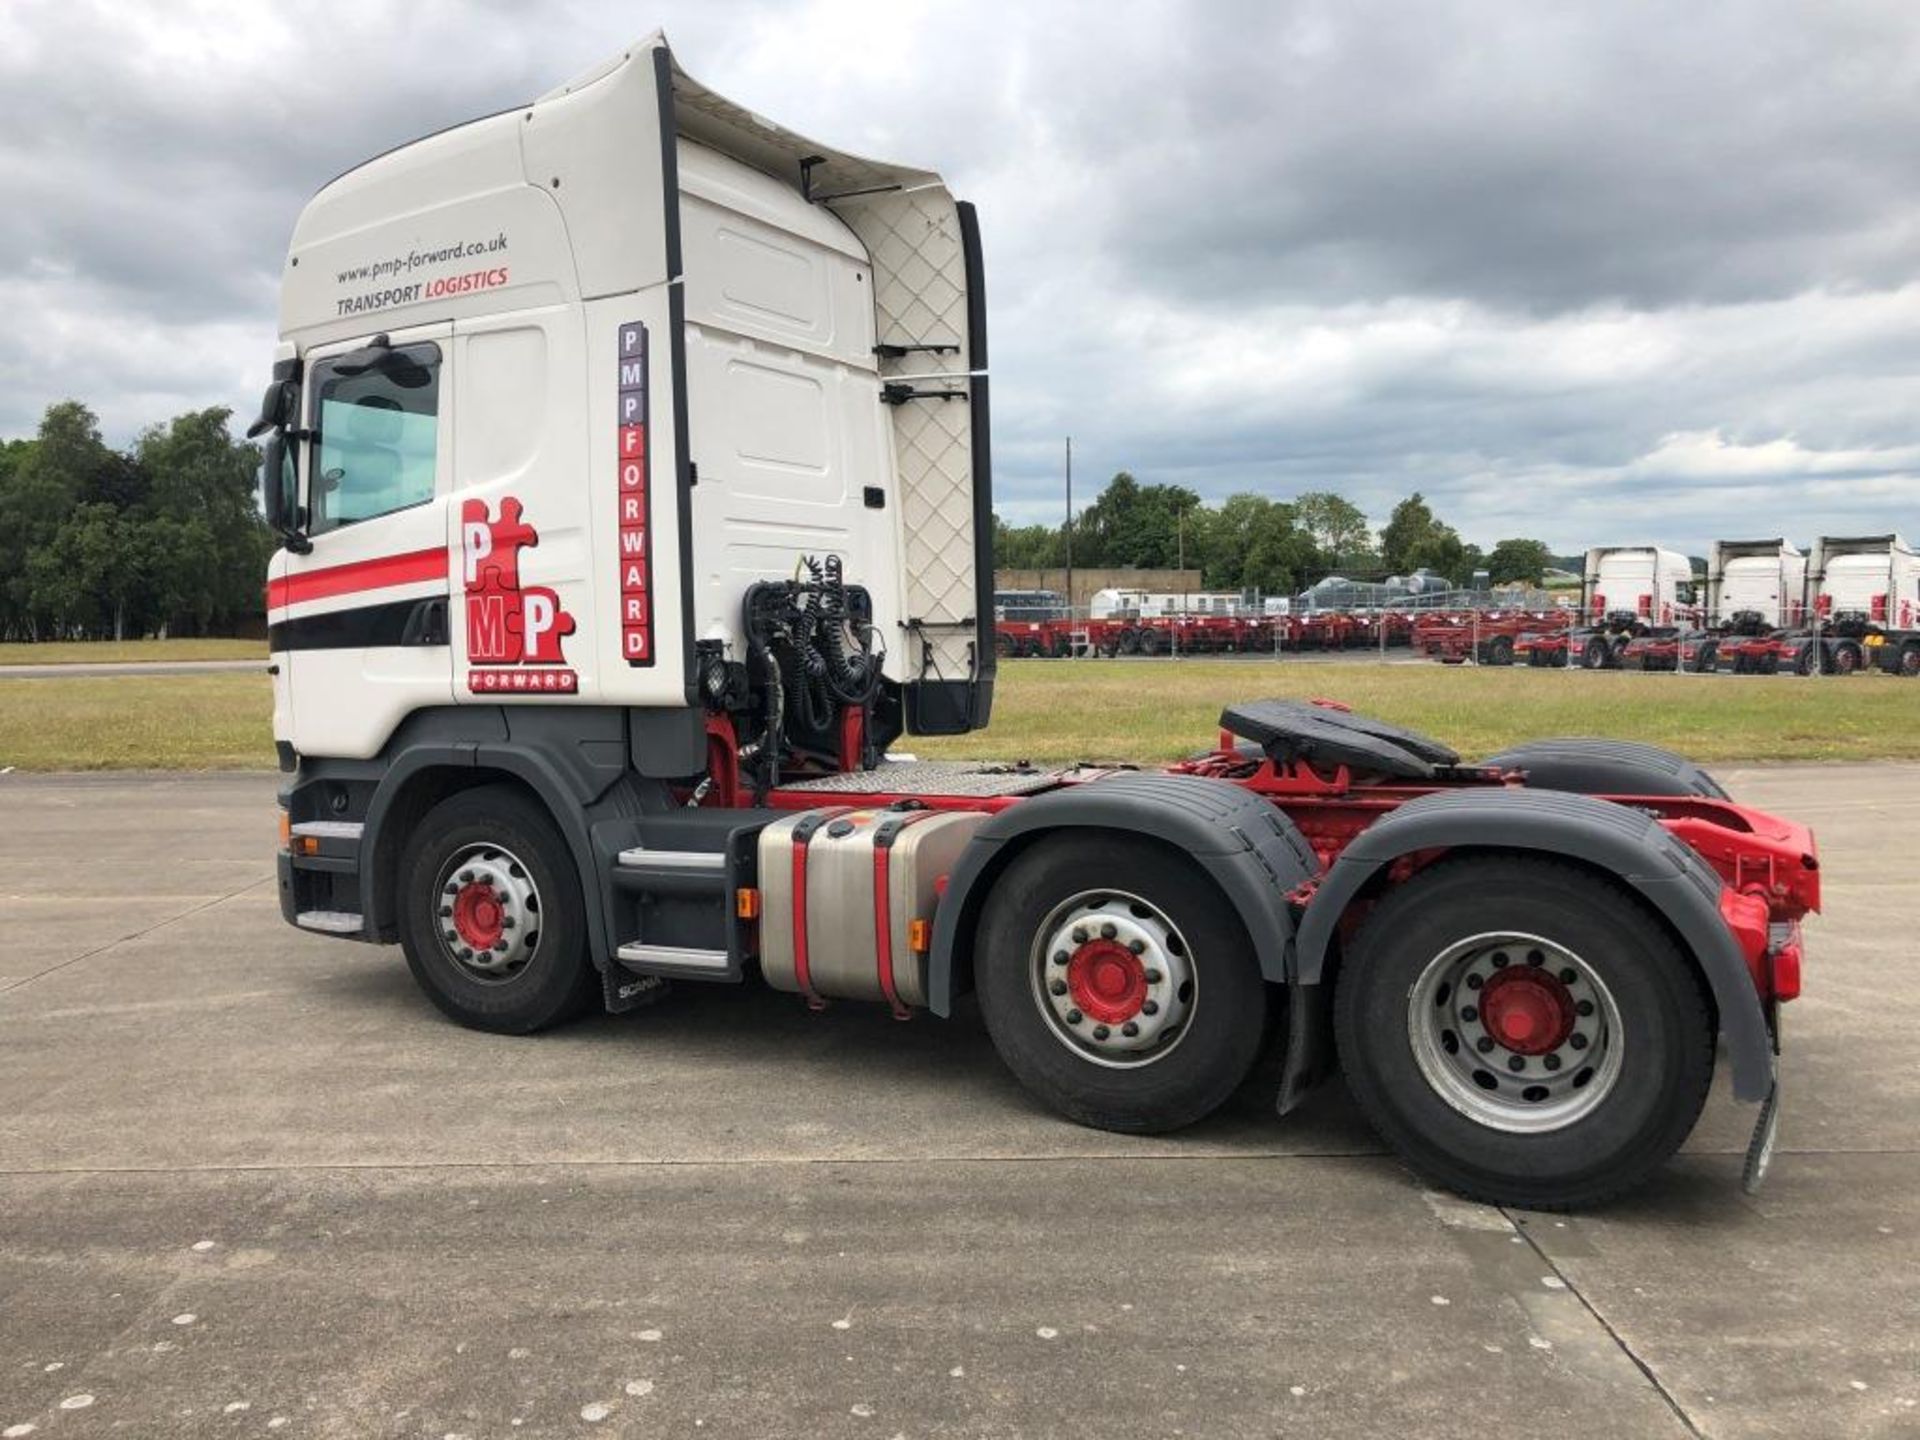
{"x":1593,"y":655}
{"x":491,"y":917}
{"x":1846,"y":659}
{"x":1523,"y":1032}
{"x":1117,"y":985}
{"x":1151,"y":642}
{"x":1909,"y":662}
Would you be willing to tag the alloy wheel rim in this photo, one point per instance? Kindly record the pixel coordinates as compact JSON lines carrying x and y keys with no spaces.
{"x":487,"y":913}
{"x":1516,"y":1032}
{"x":1113,"y":979}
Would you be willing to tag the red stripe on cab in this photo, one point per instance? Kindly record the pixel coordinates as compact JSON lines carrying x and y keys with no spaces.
{"x":375,"y":574}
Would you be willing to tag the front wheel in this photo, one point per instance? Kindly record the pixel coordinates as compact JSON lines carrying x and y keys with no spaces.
{"x":1523,"y":1033}
{"x":1117,"y":984}
{"x":491,"y":917}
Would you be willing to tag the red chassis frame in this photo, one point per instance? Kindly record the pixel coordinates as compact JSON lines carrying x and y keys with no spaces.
{"x":1769,"y":866}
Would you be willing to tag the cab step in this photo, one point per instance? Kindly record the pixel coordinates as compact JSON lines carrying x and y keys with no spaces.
{"x":330,"y":922}
{"x":679,"y":960}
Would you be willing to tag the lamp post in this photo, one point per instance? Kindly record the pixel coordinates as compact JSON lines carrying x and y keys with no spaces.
{"x":1069,"y":535}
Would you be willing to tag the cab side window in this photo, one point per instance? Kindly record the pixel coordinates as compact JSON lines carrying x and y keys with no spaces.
{"x":377,"y":434}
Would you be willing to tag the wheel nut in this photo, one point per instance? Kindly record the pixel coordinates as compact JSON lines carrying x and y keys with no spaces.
{"x":1578,"y":1041}
{"x":1500,"y":960}
{"x":1514,"y":1062}
{"x":1552,"y":1062}
{"x":501,"y":946}
{"x":466,"y":877}
{"x":1568,"y":976}
{"x":1154,"y":977}
{"x":1474,"y":982}
{"x":1468,"y":1012}
{"x":1100,"y":1032}
{"x":1149,"y":1007}
{"x":445,"y":911}
{"x":453,"y":888}
{"x":1060,"y":957}
{"x":1074,"y":1017}
{"x":465,"y":953}
{"x":1583,"y":1007}
{"x":1534,"y":957}
{"x":1483,"y":1044}
{"x":1058,"y":987}
{"x":1107,"y":931}
{"x":1079,"y":934}
{"x":1129,"y":1029}
{"x":1137,"y":946}
{"x":506,"y":922}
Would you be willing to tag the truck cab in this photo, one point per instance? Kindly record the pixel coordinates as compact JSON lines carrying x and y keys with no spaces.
{"x":558,"y":387}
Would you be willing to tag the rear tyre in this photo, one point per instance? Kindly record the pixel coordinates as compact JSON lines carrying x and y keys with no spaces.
{"x":491,"y":917}
{"x":1117,"y":984}
{"x":1585,"y":1078}
{"x":1908,"y":665}
{"x":1151,"y":642}
{"x":1806,"y":659}
{"x":1500,"y":650}
{"x":1593,"y":655}
{"x":1846,"y":659}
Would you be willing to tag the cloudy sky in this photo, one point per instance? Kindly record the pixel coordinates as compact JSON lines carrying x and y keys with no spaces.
{"x":1596,"y":273}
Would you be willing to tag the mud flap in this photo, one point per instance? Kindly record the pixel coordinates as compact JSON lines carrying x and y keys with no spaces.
{"x":1766,"y":1129}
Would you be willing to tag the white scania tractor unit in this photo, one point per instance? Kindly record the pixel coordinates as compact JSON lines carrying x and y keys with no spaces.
{"x":629,"y":455}
{"x":1754,"y":586}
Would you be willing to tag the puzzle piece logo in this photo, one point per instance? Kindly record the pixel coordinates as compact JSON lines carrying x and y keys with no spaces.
{"x":507,"y":624}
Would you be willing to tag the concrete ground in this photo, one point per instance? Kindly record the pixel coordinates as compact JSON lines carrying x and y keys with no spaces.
{"x":252,"y":1184}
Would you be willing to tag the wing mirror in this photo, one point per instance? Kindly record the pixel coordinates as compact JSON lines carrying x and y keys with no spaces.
{"x":280,"y":493}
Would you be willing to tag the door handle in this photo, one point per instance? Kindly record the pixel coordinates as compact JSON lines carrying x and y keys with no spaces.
{"x":426,"y":624}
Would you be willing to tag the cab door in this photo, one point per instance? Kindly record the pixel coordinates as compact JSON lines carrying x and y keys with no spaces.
{"x":361,"y":620}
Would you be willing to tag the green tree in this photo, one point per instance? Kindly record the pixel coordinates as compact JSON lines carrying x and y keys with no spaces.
{"x":1337,"y":528}
{"x":1027,"y":547}
{"x":211,"y":543}
{"x":1519,"y":560}
{"x":1411,"y":525}
{"x":1252,"y":543}
{"x":1134,"y":524}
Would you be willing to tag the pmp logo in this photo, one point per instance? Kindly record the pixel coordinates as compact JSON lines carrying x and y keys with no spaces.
{"x":509,"y":624}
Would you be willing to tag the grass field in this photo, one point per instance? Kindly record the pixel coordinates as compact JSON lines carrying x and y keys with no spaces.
{"x":116,"y":652}
{"x":159,"y":722}
{"x":1049,"y":710}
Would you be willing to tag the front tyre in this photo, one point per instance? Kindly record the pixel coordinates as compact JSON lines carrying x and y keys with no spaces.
{"x":491,"y":917}
{"x":1117,"y":984}
{"x":1523,"y":1032}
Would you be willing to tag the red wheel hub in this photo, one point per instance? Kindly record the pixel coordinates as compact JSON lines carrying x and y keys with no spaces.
{"x":1107,"y":981}
{"x":478,"y":915}
{"x":1528,"y":1011}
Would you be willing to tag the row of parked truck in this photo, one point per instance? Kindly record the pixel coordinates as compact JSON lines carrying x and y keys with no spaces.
{"x":1851,"y":603}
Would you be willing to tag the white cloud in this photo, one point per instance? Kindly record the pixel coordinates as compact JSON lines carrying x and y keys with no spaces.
{"x":1583,"y":272}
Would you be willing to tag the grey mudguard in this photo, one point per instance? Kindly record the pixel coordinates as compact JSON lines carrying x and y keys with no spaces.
{"x":1629,"y":843}
{"x":1252,"y":851}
